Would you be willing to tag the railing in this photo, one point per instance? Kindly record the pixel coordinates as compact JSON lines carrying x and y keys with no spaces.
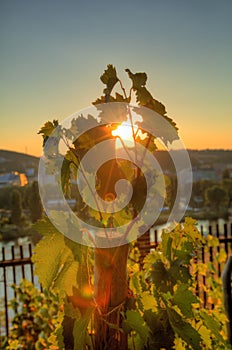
{"x":16,"y":264}
{"x":204,"y":256}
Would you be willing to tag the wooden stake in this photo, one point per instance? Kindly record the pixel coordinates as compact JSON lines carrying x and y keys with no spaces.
{"x":110,"y":287}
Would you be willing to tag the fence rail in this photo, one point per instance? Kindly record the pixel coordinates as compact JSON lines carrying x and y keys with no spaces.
{"x":15,"y":264}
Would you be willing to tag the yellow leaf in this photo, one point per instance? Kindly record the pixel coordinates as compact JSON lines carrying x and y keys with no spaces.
{"x":149,"y":301}
{"x":206,"y":336}
{"x":221,"y":256}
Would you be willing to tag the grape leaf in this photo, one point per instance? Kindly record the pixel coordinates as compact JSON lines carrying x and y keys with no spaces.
{"x":80,"y":330}
{"x":160,"y":276}
{"x":118,"y":98}
{"x":48,"y":128}
{"x":109,"y":78}
{"x":212,"y":324}
{"x":47,"y":269}
{"x":58,"y":261}
{"x":167,"y":244}
{"x":134,"y":321}
{"x":81,"y":123}
{"x":178,"y":272}
{"x":138,"y":79}
{"x":148,"y":142}
{"x":144,"y":98}
{"x":185,"y":304}
{"x":184,"y":329}
{"x":135,"y":342}
{"x":148,"y":301}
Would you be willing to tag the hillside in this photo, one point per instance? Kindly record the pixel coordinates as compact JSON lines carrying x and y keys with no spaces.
{"x":15,"y":161}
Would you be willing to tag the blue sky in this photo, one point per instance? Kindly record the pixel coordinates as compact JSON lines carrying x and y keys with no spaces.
{"x":53,"y":52}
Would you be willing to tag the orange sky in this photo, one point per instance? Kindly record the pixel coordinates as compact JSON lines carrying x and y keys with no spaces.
{"x":52,"y":57}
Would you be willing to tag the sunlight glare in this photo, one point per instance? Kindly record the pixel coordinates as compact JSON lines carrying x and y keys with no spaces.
{"x":124,"y":132}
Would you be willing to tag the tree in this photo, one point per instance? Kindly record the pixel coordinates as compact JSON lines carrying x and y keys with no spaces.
{"x":16,"y":207}
{"x":227,"y":185}
{"x":171,"y":191}
{"x":226,"y":174}
{"x":215,"y":196}
{"x":35,"y":205}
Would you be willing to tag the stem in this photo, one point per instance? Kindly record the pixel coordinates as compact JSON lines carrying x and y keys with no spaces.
{"x":123,"y":89}
{"x":124,"y":146}
{"x":130,"y":116}
{"x":87,"y":182}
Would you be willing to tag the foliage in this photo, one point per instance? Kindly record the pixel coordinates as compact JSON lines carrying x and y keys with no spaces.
{"x":16,"y":207}
{"x":65,"y":266}
{"x":165,"y":294}
{"x":37,"y":315}
{"x":162,"y":309}
{"x":204,"y":190}
{"x":35,"y":205}
{"x":215,"y":196}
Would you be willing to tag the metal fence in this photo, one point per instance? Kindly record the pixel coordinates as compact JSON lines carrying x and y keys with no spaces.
{"x":15,"y":264}
{"x":204,"y":255}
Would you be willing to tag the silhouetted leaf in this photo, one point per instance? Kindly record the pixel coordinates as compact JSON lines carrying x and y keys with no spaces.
{"x":109,"y":78}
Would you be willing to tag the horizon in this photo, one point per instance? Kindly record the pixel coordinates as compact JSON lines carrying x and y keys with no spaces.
{"x":159,"y":150}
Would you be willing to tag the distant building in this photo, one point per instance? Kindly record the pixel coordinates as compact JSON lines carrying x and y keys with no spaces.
{"x":204,"y":173}
{"x":30,"y":172}
{"x":31,"y":175}
{"x":13,"y":179}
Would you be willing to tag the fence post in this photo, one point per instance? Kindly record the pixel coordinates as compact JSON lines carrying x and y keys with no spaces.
{"x":5,"y":294}
{"x":227,"y":292}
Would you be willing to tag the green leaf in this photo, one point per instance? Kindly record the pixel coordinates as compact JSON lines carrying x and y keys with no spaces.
{"x":167,"y":245}
{"x":71,"y":311}
{"x":178,"y":272}
{"x":162,"y":335}
{"x":48,"y":128}
{"x":184,"y":329}
{"x":54,"y":261}
{"x":160,"y":276}
{"x":135,"y":342}
{"x":184,"y":299}
{"x":135,"y":322}
{"x":80,"y":330}
{"x":212,"y":324}
{"x":135,"y":283}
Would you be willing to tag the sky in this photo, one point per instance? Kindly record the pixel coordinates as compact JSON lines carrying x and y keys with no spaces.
{"x":53,"y":53}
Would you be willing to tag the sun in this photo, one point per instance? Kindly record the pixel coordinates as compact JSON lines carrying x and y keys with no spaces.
{"x":125,"y":132}
{"x":126,"y":135}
